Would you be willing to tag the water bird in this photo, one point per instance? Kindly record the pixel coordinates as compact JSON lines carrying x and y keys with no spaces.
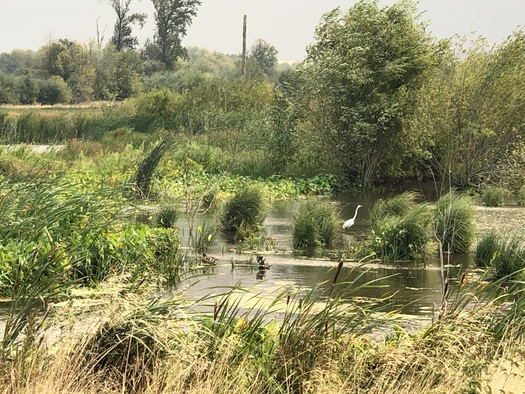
{"x":350,"y":222}
{"x":209,"y":260}
{"x":262,"y":263}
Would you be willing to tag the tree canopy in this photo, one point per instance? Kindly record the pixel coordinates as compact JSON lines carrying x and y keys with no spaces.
{"x":358,"y":69}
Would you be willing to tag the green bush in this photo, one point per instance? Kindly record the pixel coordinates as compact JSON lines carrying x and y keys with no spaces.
{"x":493,"y":196}
{"x":454,"y":223}
{"x":244,"y":213}
{"x":505,"y":257}
{"x":316,"y":224}
{"x":166,"y":216}
{"x":400,"y":228}
{"x":487,"y":248}
{"x":399,"y":206}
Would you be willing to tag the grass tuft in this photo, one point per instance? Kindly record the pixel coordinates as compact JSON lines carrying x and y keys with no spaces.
{"x":316,"y":224}
{"x":454,"y":223}
{"x":493,"y":196}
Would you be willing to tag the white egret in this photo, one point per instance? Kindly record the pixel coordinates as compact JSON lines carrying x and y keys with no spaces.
{"x":350,"y":222}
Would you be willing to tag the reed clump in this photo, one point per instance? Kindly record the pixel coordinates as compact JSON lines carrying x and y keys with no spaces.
{"x":454,"y":223}
{"x":493,"y":196}
{"x":505,"y":257}
{"x":400,"y":227}
{"x":245,"y":212}
{"x":316,"y":224}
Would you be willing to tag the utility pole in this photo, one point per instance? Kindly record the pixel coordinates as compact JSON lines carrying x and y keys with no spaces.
{"x":243,"y":66}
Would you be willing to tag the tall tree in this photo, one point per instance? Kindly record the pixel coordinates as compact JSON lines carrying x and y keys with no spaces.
{"x":122,"y":33}
{"x":172,"y":17}
{"x":357,"y":73}
{"x":265,"y":55}
{"x":472,"y":108}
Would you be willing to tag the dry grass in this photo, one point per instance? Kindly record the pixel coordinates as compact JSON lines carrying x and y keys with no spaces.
{"x":458,"y":355}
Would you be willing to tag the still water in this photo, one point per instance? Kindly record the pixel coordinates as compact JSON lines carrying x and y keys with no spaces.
{"x":413,"y":288}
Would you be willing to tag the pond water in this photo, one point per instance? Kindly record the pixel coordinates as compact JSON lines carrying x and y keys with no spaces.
{"x":413,"y":288}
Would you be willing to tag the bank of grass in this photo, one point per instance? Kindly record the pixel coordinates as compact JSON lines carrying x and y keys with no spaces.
{"x":317,"y":345}
{"x":493,"y":196}
{"x":454,"y":223}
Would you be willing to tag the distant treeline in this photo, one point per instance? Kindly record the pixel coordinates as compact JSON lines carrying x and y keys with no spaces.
{"x":376,"y":99}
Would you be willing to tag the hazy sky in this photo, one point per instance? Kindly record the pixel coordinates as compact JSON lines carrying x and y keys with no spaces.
{"x":286,"y":24}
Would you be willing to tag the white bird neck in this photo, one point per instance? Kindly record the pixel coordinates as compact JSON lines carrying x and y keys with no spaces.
{"x":355,"y":214}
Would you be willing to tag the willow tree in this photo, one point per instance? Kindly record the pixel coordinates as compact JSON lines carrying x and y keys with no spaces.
{"x":473,"y":109}
{"x":358,"y":73}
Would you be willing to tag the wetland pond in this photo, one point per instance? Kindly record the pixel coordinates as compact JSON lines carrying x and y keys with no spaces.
{"x":413,"y":288}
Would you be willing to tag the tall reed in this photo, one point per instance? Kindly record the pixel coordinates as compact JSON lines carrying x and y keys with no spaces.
{"x":454,"y":223}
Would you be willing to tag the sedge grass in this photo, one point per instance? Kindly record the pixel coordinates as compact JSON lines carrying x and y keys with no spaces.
{"x":163,"y":347}
{"x":454,"y":223}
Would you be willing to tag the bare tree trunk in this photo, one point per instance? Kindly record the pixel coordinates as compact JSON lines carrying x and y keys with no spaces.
{"x":243,"y":67}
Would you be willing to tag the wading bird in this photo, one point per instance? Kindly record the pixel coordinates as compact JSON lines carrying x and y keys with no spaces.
{"x":208,"y":260}
{"x":350,"y":222}
{"x":262,"y":263}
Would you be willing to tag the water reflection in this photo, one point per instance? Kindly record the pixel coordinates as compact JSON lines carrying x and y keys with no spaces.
{"x":412,"y":288}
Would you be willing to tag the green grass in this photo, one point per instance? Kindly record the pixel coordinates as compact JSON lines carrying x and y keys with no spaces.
{"x":493,"y":196}
{"x":400,"y":228}
{"x":316,"y":224}
{"x":454,"y":223}
{"x":245,"y":212}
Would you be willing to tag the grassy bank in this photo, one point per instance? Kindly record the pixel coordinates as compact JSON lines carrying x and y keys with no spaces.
{"x":127,"y":342}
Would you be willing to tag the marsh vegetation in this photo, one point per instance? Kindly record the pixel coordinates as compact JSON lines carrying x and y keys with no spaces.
{"x":182,"y":158}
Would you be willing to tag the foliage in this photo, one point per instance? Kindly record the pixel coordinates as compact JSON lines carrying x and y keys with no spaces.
{"x":206,"y":233}
{"x":144,"y":173}
{"x":166,"y":216}
{"x":122,"y":35}
{"x":508,"y":257}
{"x":265,"y":55}
{"x":454,"y":226}
{"x":400,"y":227}
{"x":472,"y":109}
{"x":399,"y":205}
{"x":316,"y":224}
{"x":487,"y":248}
{"x":80,"y":240}
{"x":505,"y":257}
{"x":358,"y":76}
{"x":493,"y":196}
{"x":244,"y":213}
{"x":172,"y":17}
{"x":521,"y":196}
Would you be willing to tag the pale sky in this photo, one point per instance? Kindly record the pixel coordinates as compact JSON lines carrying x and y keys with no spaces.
{"x":286,"y":24}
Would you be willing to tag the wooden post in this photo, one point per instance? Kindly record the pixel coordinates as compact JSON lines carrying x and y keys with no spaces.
{"x":243,"y":66}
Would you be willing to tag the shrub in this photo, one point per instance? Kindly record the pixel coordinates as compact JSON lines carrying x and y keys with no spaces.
{"x":454,"y":223}
{"x":508,"y":258}
{"x":315,"y":224}
{"x":492,"y":196}
{"x":245,"y":211}
{"x":487,"y":248}
{"x":400,"y":228}
{"x":166,"y":217}
{"x":395,"y":206}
